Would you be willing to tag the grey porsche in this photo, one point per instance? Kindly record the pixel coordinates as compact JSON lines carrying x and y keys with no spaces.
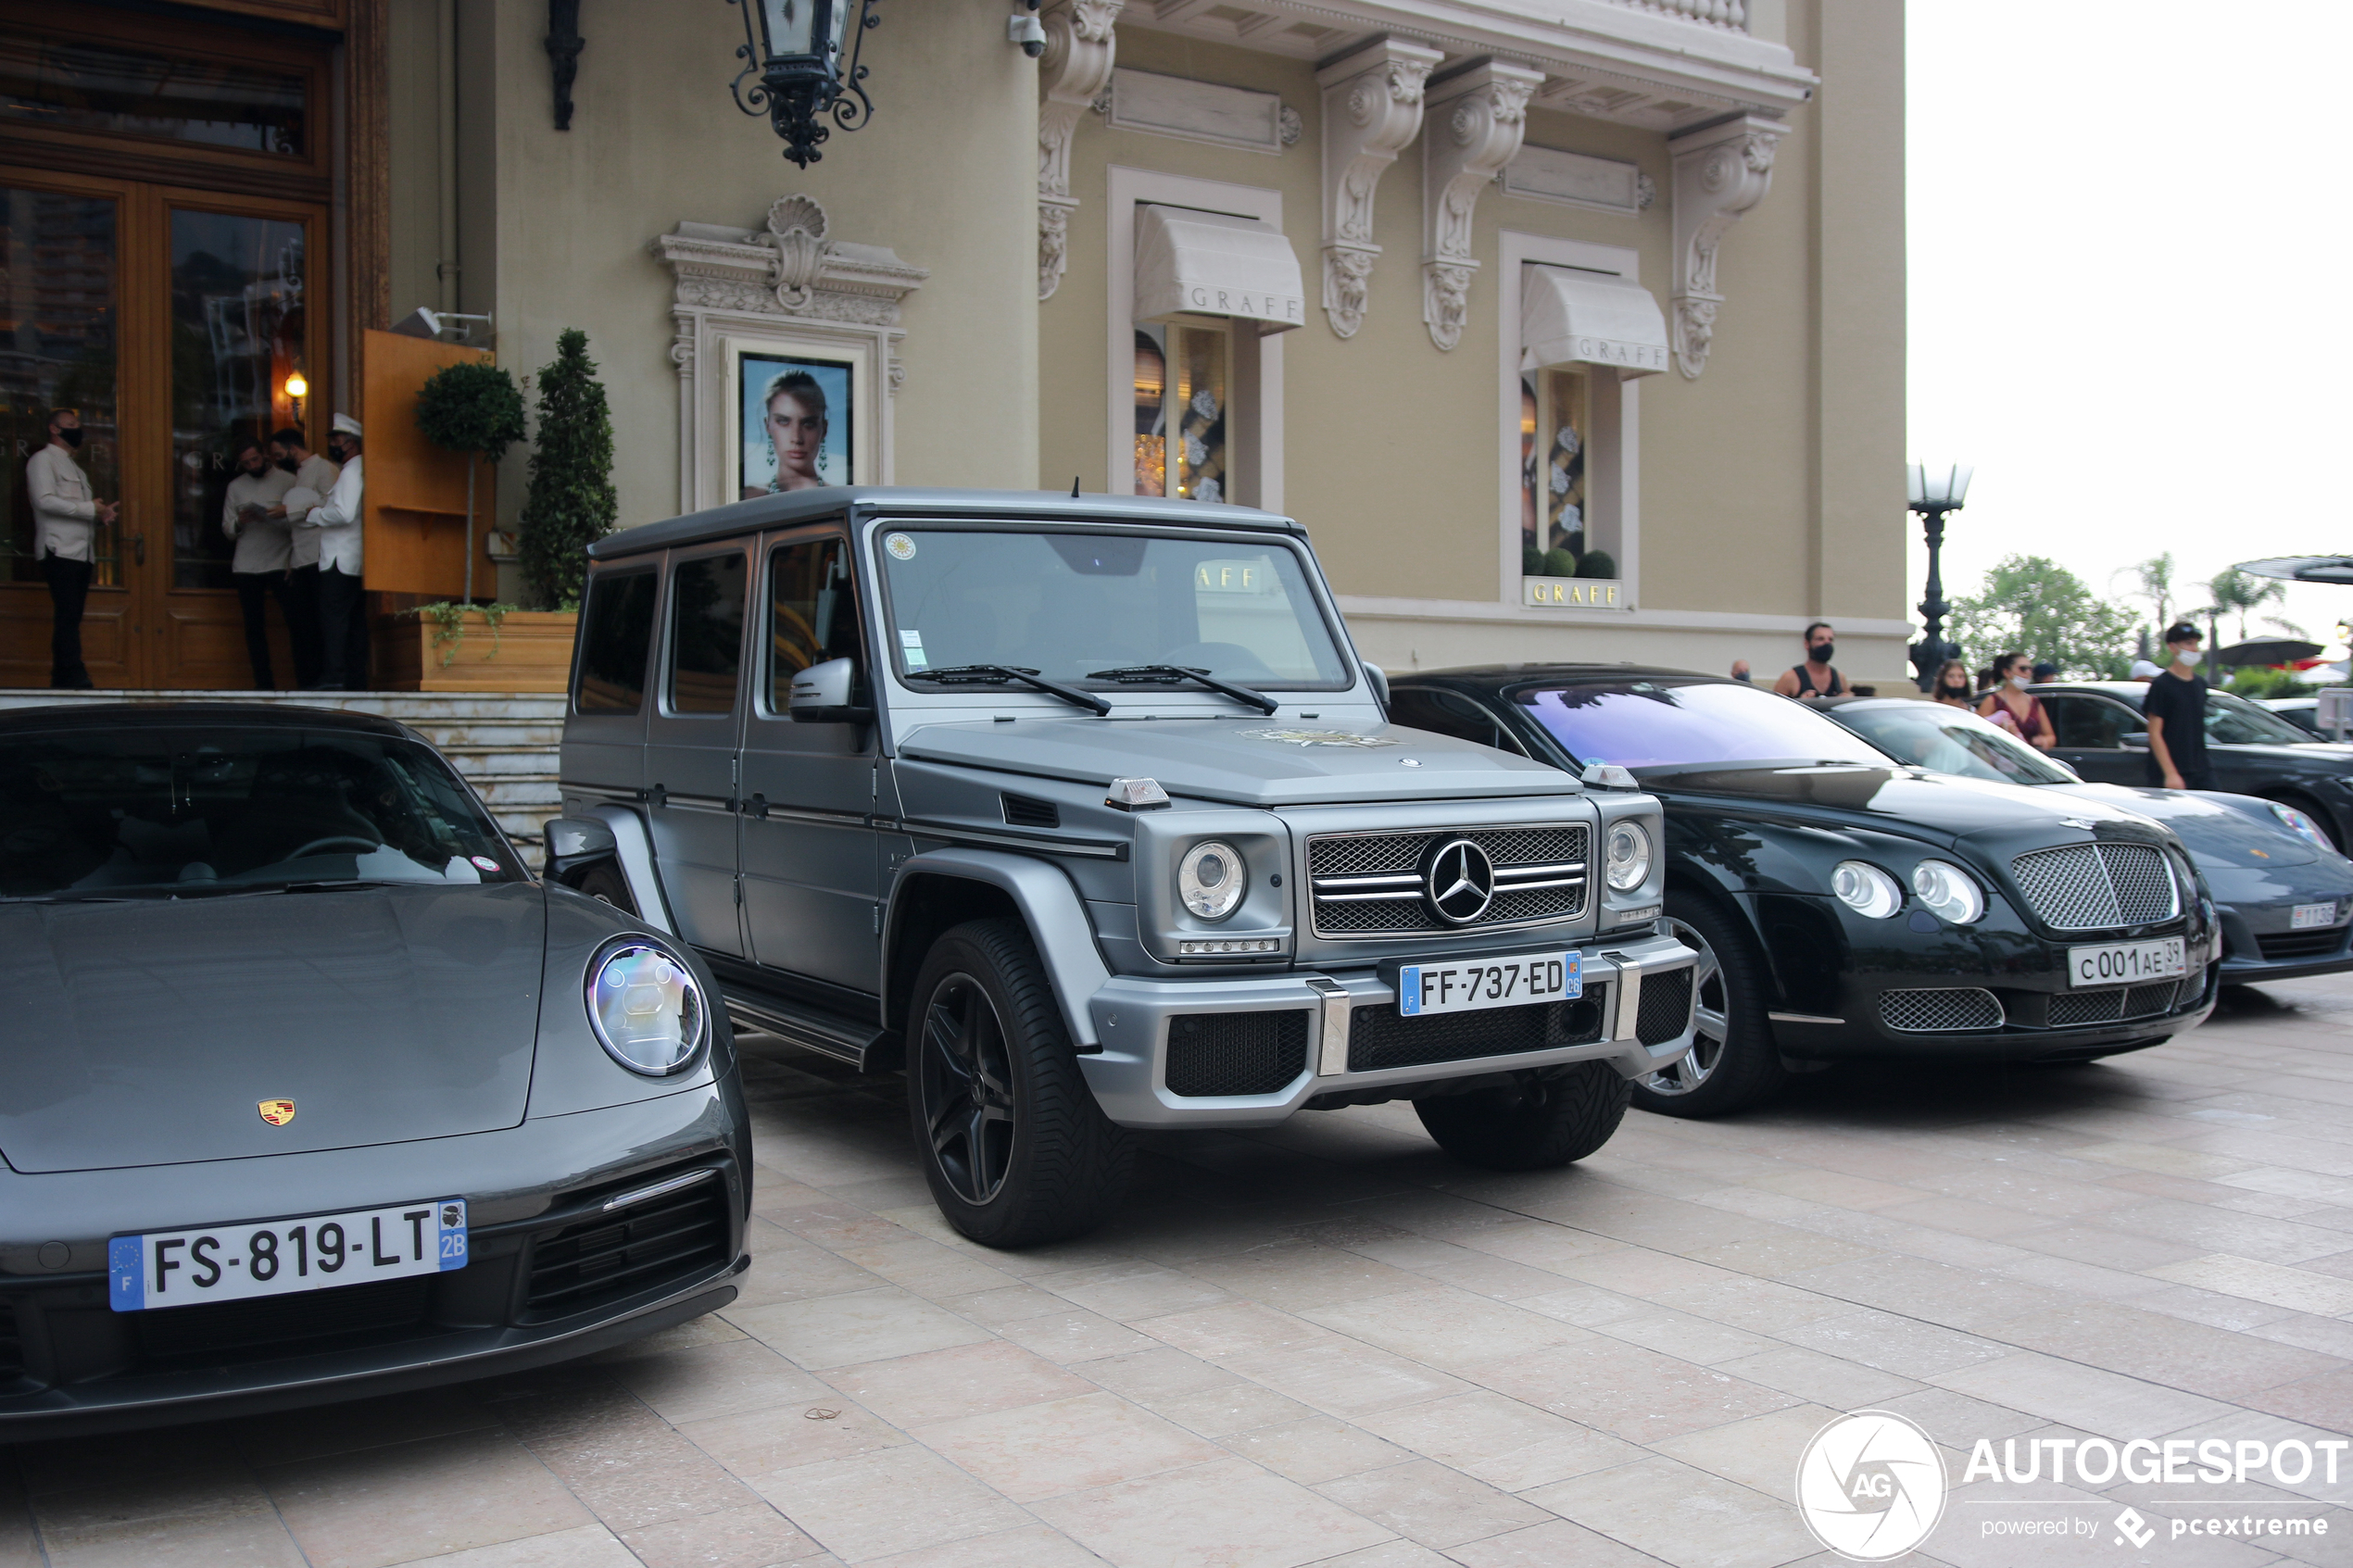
{"x":310,"y":1089}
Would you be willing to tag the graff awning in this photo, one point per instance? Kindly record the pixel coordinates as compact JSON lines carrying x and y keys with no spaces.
{"x":1569,"y":317}
{"x":1213,"y":264}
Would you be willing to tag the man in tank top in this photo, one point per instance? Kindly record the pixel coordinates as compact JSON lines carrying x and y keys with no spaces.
{"x":1817,"y":678}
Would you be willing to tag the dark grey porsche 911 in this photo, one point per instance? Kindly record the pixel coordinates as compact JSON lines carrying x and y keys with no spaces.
{"x":309,"y":1089}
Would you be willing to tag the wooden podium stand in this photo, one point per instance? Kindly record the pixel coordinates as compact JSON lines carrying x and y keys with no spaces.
{"x":413,"y":521}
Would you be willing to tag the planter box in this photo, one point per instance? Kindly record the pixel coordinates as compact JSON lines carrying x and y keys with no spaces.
{"x":530,"y":652}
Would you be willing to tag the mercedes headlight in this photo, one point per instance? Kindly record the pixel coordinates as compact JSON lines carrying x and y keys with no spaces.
{"x":648,"y":1012}
{"x":1211,"y":879}
{"x":1950,"y":893}
{"x":1866,"y":889}
{"x":1630,"y":857}
{"x":2301,"y":825}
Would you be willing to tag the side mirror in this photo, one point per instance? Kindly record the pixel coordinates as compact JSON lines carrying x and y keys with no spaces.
{"x":1378,"y":678}
{"x":820,"y":695}
{"x":571,"y":841}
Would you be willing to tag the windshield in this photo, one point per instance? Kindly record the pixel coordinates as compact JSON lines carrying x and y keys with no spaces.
{"x":1067,"y":605}
{"x":1946,"y":740}
{"x":2233,"y":720}
{"x":1684,"y":722}
{"x":156,"y":811}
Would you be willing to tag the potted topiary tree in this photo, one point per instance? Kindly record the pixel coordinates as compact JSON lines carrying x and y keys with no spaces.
{"x":475,"y":409}
{"x":571,"y":503}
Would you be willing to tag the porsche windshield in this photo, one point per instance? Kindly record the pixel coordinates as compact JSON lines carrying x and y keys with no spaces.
{"x":1948,"y":740}
{"x":149,"y":812}
{"x":1681,"y":722}
{"x":1099,"y":610}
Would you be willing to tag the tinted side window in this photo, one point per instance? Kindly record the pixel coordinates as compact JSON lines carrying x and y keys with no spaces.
{"x":2092,"y":722}
{"x":706,"y":632}
{"x":813,"y":613}
{"x":616,"y":631}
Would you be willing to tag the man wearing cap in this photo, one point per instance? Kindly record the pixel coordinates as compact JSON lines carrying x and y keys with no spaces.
{"x":342,"y":620}
{"x":65,"y":515}
{"x":2176,"y":710}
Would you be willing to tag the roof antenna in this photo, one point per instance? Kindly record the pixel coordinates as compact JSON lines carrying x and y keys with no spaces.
{"x":1074,"y":487}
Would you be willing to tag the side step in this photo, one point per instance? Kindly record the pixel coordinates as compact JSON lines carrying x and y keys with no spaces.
{"x":866,"y":1046}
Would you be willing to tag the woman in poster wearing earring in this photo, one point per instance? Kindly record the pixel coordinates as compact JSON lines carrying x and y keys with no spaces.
{"x":796,"y":426}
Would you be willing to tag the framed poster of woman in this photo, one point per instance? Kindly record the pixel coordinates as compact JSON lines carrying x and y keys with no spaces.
{"x":798,"y":416}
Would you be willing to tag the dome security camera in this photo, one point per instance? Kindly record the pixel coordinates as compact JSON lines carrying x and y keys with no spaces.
{"x":1028,"y":33}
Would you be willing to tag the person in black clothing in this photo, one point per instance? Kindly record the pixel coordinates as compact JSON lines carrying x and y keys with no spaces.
{"x":1817,"y":678}
{"x":2176,"y":710}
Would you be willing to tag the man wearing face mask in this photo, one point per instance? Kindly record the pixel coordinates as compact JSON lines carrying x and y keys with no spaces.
{"x":342,"y":621}
{"x":1815,"y":679}
{"x":65,"y":517}
{"x":313,"y":477}
{"x":2176,"y":710}
{"x":259,"y":568}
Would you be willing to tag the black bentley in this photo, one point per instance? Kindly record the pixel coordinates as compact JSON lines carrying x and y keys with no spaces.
{"x":1845,"y":905}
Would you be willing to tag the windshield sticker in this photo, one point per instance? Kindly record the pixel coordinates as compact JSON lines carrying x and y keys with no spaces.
{"x":912,"y":645}
{"x":1317,"y":737}
{"x":901,"y":545}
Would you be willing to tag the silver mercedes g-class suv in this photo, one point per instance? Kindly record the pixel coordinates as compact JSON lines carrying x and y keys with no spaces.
{"x":1084,"y":813}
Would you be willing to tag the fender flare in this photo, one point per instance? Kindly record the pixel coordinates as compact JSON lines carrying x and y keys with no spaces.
{"x":633,"y":856}
{"x":1048,"y":905}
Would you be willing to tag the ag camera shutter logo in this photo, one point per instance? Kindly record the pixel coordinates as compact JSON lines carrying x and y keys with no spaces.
{"x":1870,"y":1486}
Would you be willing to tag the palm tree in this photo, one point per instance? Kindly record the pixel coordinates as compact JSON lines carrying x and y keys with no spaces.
{"x":2155,"y":576}
{"x":2236,"y":593}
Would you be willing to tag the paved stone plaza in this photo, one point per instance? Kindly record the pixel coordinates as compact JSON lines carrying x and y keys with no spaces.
{"x":1330,"y":1344}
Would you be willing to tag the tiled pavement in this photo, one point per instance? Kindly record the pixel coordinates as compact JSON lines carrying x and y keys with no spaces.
{"x":1328,"y":1344}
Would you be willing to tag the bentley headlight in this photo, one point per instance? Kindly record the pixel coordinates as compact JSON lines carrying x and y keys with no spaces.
{"x":1211,"y":879}
{"x":1950,"y":893}
{"x":646,"y":1010}
{"x":1866,"y":889}
{"x":1630,"y":857}
{"x":2303,"y":826}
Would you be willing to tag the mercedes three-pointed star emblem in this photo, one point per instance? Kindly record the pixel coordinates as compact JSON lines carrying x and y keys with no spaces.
{"x":1458,"y":882}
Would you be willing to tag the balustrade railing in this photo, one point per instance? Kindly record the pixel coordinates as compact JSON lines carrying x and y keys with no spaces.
{"x":1729,"y":15}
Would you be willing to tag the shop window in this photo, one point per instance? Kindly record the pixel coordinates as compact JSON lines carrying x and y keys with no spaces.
{"x":72,"y":84}
{"x":1556,"y":428}
{"x":58,"y":265}
{"x":1182,"y":392}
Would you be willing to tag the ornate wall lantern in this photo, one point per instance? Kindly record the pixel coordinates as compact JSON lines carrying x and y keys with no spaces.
{"x":795,"y":48}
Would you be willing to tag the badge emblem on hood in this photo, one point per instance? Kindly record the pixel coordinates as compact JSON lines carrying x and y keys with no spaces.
{"x":1459,"y":882}
{"x":277,"y":1112}
{"x":2084,"y":823}
{"x":1318,"y":737}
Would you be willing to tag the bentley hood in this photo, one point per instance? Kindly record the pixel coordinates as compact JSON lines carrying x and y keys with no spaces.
{"x":1263,"y":764}
{"x":151,"y":1032}
{"x":1908,"y":801}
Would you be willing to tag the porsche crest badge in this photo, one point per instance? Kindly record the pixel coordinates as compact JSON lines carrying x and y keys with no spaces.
{"x":277,"y":1112}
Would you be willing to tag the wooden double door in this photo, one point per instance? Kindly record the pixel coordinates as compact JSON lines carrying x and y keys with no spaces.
{"x":180,"y":323}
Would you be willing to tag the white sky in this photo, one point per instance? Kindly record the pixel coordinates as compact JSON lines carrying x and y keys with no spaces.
{"x":2127,"y":227}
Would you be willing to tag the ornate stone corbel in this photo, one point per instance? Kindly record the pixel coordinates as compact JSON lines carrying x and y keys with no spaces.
{"x":1080,"y":50}
{"x":1720,"y":172}
{"x":796,"y":234}
{"x":1476,"y":118}
{"x":1372,"y":107}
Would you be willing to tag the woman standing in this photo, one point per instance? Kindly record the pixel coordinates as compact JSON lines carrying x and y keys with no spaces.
{"x":2008,"y":705}
{"x":1953,"y":686}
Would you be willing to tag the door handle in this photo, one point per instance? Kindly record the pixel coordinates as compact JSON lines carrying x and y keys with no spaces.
{"x":138,"y":543}
{"x":657,"y":798}
{"x":757,"y":807}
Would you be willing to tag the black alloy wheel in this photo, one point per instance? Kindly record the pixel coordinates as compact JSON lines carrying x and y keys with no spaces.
{"x":1734,"y":1061}
{"x":1539,"y":1121}
{"x":1014,"y":1146}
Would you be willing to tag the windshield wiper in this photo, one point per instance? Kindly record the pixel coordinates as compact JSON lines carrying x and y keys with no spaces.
{"x":1156,"y":674}
{"x":999,"y":674}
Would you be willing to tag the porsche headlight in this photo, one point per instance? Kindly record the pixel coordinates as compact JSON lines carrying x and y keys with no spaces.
{"x":1950,"y":893}
{"x":1211,"y":879}
{"x":1866,"y":889}
{"x":648,"y":1012}
{"x":2303,"y":826}
{"x":1630,"y":857}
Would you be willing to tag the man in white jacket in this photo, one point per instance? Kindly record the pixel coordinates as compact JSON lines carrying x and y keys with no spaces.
{"x":343,"y":618}
{"x":314,"y":476}
{"x":259,"y":568}
{"x":66,"y":518}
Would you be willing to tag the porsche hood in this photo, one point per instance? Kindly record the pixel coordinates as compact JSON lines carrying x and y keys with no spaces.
{"x":156,"y":1032}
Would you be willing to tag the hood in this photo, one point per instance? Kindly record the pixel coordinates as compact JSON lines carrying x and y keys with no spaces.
{"x":147,"y":1032}
{"x":2304,"y":757}
{"x":1267,"y":762}
{"x":1901,"y":800}
{"x":2216,"y":834}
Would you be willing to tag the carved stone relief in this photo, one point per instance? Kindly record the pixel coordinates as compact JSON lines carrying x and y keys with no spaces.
{"x":1080,"y":49}
{"x":1720,"y":173}
{"x":1372,"y":108}
{"x":1476,"y":118}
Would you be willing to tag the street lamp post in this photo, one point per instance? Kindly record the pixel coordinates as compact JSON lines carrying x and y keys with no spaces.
{"x":1933,"y":493}
{"x":796,"y":49}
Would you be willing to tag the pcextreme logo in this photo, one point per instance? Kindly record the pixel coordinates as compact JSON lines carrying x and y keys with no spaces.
{"x":1870,"y":1486}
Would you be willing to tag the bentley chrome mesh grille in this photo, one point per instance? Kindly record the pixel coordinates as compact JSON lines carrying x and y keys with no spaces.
{"x":2116,"y":1003}
{"x":1944,"y":1010}
{"x":1370,"y":884}
{"x":2097,"y":887}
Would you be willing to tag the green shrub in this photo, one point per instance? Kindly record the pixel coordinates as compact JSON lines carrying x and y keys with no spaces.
{"x":472,"y":406}
{"x":1531,"y":562}
{"x":1560,"y":562}
{"x":1597,"y":563}
{"x":2257,"y":684}
{"x":571,"y":504}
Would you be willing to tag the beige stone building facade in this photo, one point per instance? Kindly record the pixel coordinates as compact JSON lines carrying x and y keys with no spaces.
{"x":1571,"y":331}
